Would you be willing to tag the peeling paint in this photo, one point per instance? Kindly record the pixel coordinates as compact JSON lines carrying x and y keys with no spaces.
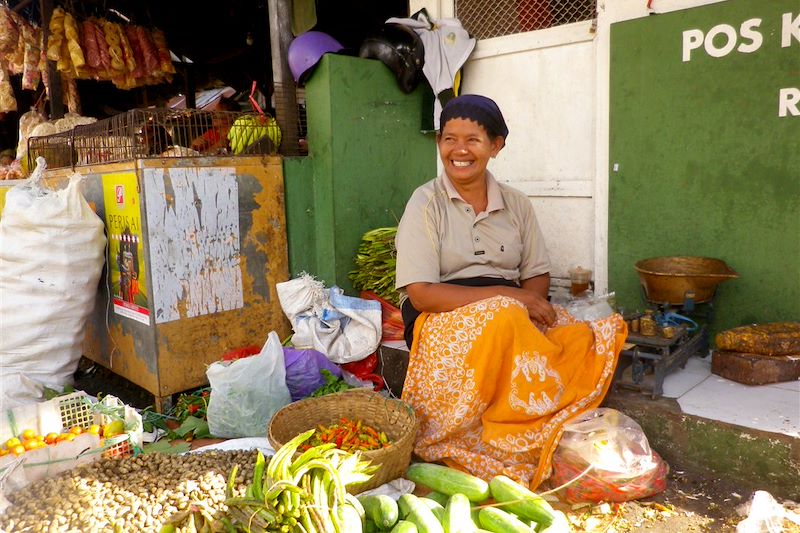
{"x":193,"y":217}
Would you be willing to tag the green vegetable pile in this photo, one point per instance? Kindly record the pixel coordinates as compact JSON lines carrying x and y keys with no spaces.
{"x":332,"y":384}
{"x":306,"y":493}
{"x":375,"y":264}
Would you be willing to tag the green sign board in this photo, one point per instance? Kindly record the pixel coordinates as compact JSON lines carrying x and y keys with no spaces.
{"x":705,"y":151}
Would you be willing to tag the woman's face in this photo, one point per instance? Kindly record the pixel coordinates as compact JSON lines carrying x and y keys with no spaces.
{"x":465,"y":149}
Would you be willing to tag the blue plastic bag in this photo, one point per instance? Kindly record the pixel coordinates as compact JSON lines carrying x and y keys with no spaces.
{"x":303,"y":368}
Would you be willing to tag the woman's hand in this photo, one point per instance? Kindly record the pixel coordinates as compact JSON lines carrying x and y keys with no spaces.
{"x":539,"y":309}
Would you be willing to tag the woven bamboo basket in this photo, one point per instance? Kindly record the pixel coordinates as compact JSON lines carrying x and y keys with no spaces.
{"x":393,"y":417}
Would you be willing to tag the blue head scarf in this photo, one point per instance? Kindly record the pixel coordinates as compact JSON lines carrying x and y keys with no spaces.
{"x":479,"y":108}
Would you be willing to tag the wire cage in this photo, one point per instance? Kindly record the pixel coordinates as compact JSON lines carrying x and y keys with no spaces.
{"x":159,"y":133}
{"x":495,"y":18}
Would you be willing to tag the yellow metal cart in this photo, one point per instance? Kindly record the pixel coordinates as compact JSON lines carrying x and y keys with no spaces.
{"x":196,"y":246}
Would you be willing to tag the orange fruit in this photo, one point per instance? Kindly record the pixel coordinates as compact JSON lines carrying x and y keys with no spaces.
{"x":12,"y":442}
{"x":51,"y":438}
{"x":28,"y":434}
{"x":30,"y":444}
{"x":76,"y":430}
{"x":19,"y":449}
{"x":94,"y":429}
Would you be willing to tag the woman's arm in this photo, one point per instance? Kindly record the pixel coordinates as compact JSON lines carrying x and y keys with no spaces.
{"x":441,"y":297}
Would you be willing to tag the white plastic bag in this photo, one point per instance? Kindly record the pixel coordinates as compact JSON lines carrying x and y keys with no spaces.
{"x":52,"y":250}
{"x":764,"y":516}
{"x":591,"y":308}
{"x":344,"y":328}
{"x":245,"y":393}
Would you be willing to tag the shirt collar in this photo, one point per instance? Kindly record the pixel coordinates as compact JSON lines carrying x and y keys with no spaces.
{"x":494,"y":196}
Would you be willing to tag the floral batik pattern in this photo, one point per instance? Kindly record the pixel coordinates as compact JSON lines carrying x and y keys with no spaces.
{"x":492,"y":391}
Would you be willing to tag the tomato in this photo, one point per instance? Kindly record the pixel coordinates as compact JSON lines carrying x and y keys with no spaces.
{"x":51,"y":438}
{"x":76,"y":430}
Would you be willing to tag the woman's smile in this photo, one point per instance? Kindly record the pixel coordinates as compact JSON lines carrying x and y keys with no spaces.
{"x":465,"y":149}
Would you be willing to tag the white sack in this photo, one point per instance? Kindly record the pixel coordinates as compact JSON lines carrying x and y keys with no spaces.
{"x":51,"y":256}
{"x":344,"y":328}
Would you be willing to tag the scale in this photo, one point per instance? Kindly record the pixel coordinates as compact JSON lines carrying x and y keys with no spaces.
{"x":680,"y":293}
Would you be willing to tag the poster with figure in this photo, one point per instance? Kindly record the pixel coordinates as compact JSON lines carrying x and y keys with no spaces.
{"x":126,"y":258}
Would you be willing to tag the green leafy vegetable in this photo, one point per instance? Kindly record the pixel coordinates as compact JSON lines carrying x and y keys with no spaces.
{"x":332,"y":384}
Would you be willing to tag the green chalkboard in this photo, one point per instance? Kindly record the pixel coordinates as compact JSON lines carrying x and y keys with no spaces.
{"x":705,"y":151}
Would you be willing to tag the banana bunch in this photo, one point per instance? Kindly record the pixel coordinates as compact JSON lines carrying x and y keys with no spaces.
{"x":307,"y":494}
{"x":249,"y":129}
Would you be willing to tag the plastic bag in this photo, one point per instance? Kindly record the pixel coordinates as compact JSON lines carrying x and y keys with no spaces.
{"x":246,"y":393}
{"x":343,"y":328}
{"x":303,"y":374}
{"x":592,"y":307}
{"x":391,"y":318}
{"x":52,"y":250}
{"x":623,"y":465}
{"x":764,"y":516}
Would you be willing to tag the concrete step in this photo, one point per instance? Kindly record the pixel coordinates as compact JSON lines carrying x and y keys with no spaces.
{"x":756,"y":459}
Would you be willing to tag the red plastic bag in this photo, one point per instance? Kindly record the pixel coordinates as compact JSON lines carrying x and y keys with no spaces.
{"x":624,"y":467}
{"x":241,"y":353}
{"x":391,"y":318}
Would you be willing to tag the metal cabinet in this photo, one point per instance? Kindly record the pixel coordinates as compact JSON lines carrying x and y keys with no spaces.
{"x":196,"y":246}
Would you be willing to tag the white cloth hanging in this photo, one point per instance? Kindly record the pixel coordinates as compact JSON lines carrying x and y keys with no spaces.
{"x":447,"y":47}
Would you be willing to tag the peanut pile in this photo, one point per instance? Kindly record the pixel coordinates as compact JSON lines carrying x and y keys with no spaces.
{"x":133,"y":494}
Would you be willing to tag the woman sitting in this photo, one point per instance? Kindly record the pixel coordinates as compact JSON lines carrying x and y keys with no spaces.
{"x":495,"y":370}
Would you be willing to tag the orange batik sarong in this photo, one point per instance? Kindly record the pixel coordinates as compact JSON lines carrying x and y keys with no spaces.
{"x":492,"y":392}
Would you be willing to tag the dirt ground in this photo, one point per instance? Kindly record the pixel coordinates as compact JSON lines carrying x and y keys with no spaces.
{"x":693,"y":501}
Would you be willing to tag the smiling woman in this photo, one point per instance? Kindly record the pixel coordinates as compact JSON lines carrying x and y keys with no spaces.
{"x":494,"y":370}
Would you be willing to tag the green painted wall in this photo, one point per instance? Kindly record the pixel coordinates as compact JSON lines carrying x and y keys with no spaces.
{"x":701,"y":162}
{"x":366,"y":157}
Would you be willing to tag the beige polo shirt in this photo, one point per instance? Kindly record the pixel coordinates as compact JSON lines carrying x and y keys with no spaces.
{"x":440,"y":238}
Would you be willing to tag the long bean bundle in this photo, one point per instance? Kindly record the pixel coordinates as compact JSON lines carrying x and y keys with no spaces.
{"x":375,"y":261}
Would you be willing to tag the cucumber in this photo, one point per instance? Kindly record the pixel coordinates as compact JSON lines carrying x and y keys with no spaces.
{"x":349,"y":519}
{"x":404,"y":526}
{"x":531,"y":507}
{"x":448,"y":481}
{"x":381,"y":509}
{"x":438,"y":497}
{"x":497,"y":521}
{"x":560,"y":524}
{"x":417,"y":512}
{"x":436,"y":508}
{"x":457,"y":517}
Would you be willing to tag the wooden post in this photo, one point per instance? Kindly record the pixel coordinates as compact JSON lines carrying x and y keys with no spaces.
{"x":280,"y":35}
{"x":53,"y":75}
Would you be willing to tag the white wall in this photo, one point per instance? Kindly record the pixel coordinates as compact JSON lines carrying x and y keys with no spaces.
{"x":552,"y":86}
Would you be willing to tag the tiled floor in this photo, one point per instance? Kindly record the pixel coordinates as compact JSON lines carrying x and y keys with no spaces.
{"x":774,"y":407}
